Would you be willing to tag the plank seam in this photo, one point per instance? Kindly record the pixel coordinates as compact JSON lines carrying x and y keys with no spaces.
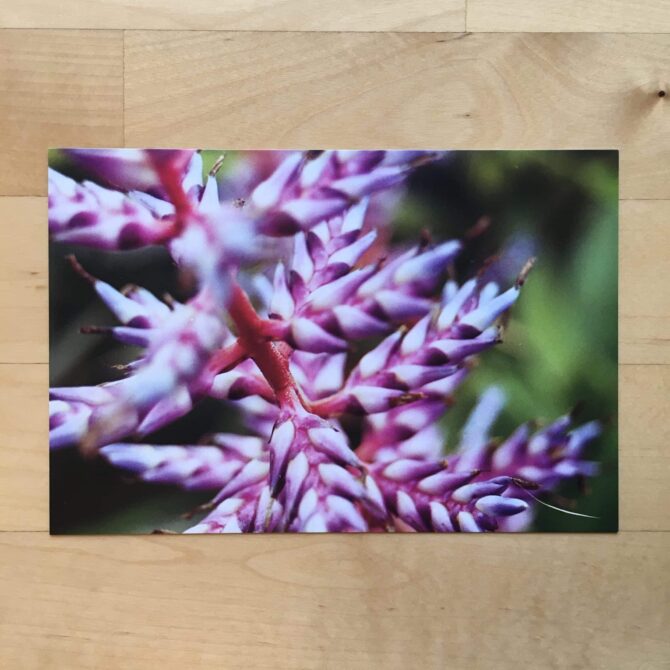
{"x":123,"y":86}
{"x":338,"y":32}
{"x":330,"y":535}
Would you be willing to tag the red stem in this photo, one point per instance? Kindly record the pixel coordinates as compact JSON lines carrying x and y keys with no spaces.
{"x":332,"y":405}
{"x":171,"y":178}
{"x":270,"y":357}
{"x":228,"y":357}
{"x":253,"y":332}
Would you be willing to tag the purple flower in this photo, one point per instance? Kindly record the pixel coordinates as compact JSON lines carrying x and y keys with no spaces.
{"x":280,"y":331}
{"x":484,"y":484}
{"x":176,"y":368}
{"x":323,"y":301}
{"x":205,"y":466}
{"x":315,"y":475}
{"x":307,"y":189}
{"x":427,"y":360}
{"x":91,"y":215}
{"x":134,"y":169}
{"x":306,"y":479}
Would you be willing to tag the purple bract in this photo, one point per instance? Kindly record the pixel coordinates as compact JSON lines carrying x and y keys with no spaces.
{"x":293,"y":279}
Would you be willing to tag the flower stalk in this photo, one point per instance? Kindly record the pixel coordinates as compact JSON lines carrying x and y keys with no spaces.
{"x":271,"y":360}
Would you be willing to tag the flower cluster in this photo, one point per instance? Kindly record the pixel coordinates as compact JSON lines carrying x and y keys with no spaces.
{"x":293,"y":284}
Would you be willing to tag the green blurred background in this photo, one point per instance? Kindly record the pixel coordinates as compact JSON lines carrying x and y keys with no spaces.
{"x":559,"y":350}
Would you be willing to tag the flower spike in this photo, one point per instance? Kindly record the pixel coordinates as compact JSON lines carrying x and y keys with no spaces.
{"x":338,"y":353}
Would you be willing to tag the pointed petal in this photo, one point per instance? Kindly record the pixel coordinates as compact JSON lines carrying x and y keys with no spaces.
{"x":407,"y":511}
{"x":467,"y":523}
{"x":282,"y":302}
{"x":355,"y":323}
{"x":334,"y":444}
{"x":484,"y":316}
{"x":280,"y":444}
{"x":342,"y":481}
{"x":309,"y":336}
{"x":350,"y":255}
{"x":342,"y":510}
{"x":400,"y":306}
{"x":302,"y":261}
{"x":416,"y":337}
{"x":336,"y":292}
{"x":296,"y":472}
{"x":455,"y":303}
{"x":355,"y":216}
{"x":375,"y":361}
{"x":442,"y":482}
{"x":469,"y":492}
{"x":427,"y":265}
{"x":166,"y":410}
{"x":254,"y":471}
{"x":406,"y":469}
{"x":268,"y":193}
{"x":500,"y":506}
{"x":439,"y":517}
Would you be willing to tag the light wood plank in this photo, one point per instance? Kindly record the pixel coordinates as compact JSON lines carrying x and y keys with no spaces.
{"x":24,"y":451}
{"x":644,"y":297}
{"x":274,"y":15}
{"x":644,"y":312}
{"x":24,"y":291}
{"x":644,"y":457}
{"x":643,"y":454}
{"x":330,"y":602}
{"x":646,"y":16}
{"x":57,"y":88}
{"x":397,"y":90}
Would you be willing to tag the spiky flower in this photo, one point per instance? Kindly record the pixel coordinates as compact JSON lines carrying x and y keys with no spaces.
{"x":281,"y":343}
{"x":484,"y":483}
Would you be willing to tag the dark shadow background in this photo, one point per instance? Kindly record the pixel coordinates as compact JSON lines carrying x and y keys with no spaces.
{"x":560,"y":348}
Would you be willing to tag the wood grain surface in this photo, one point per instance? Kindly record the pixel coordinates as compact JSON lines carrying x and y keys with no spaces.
{"x":280,"y":90}
{"x":57,"y":88}
{"x":267,"y":15}
{"x":298,"y":73}
{"x":543,"y":601}
{"x":635,"y":16}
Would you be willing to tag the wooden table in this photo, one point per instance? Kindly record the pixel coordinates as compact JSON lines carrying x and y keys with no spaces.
{"x":318,"y":74}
